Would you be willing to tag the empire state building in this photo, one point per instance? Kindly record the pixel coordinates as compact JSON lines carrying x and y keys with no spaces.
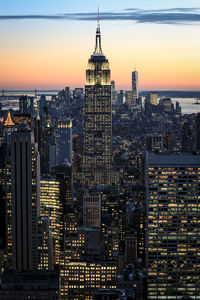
{"x":98,"y":118}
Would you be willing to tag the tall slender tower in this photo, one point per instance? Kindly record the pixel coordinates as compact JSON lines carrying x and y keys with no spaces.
{"x":64,"y":131}
{"x":98,"y":118}
{"x":25,"y":190}
{"x":135,"y":84}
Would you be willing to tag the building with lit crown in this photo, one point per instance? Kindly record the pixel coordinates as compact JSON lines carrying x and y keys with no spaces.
{"x":98,"y":121}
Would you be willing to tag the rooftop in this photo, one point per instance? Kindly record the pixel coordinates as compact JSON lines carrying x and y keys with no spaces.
{"x":173,"y":158}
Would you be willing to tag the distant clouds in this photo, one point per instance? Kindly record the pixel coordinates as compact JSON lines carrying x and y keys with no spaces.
{"x":179,"y":15}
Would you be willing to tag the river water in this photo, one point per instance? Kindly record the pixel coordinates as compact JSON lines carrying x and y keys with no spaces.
{"x":187,"y":104}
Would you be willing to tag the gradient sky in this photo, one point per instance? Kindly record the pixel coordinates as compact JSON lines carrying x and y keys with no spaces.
{"x":47,"y":43}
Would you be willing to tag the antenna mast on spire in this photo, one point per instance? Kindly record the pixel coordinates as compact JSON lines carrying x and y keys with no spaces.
{"x":98,"y":49}
{"x":98,"y":16}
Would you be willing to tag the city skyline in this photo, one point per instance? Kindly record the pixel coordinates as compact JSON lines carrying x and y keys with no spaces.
{"x":47,"y":46}
{"x":99,"y":188}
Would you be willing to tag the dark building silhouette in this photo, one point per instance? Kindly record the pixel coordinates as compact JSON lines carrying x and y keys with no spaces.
{"x":26,"y":104}
{"x":135,"y":85}
{"x":25,"y":181}
{"x":187,"y":142}
{"x":197,"y":132}
{"x":64,"y":142}
{"x":30,"y":285}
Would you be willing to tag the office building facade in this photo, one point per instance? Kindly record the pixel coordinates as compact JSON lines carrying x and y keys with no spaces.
{"x":173,"y":231}
{"x":64,"y":142}
{"x":51,"y":207}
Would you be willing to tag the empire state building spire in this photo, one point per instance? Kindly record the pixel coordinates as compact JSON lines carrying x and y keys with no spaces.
{"x":98,"y":119}
{"x":98,"y":49}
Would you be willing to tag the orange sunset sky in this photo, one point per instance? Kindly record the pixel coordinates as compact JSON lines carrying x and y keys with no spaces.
{"x":46,"y":52}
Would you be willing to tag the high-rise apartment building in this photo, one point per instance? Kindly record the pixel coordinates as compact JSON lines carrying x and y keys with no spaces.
{"x":64,"y":142}
{"x":135,"y":84}
{"x":98,"y":119}
{"x":173,"y":226}
{"x":25,"y":184}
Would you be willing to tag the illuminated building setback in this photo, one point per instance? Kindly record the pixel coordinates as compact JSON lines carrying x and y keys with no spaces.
{"x":173,"y":230}
{"x":98,"y":121}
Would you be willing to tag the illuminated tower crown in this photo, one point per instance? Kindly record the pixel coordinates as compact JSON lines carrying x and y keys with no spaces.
{"x":98,"y":66}
{"x":98,"y":118}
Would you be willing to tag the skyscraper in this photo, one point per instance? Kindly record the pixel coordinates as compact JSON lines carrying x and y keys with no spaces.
{"x":51,"y":206}
{"x":152,"y":98}
{"x":48,"y":147}
{"x":25,"y":177}
{"x":26,"y":104}
{"x":129,"y":99}
{"x":64,"y":131}
{"x":197,"y":133}
{"x":135,"y":85}
{"x":113,"y":93}
{"x":98,"y":121}
{"x":173,"y":226}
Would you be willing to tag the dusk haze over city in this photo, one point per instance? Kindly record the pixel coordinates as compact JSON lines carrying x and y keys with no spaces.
{"x":100,"y":150}
{"x":44,"y":44}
